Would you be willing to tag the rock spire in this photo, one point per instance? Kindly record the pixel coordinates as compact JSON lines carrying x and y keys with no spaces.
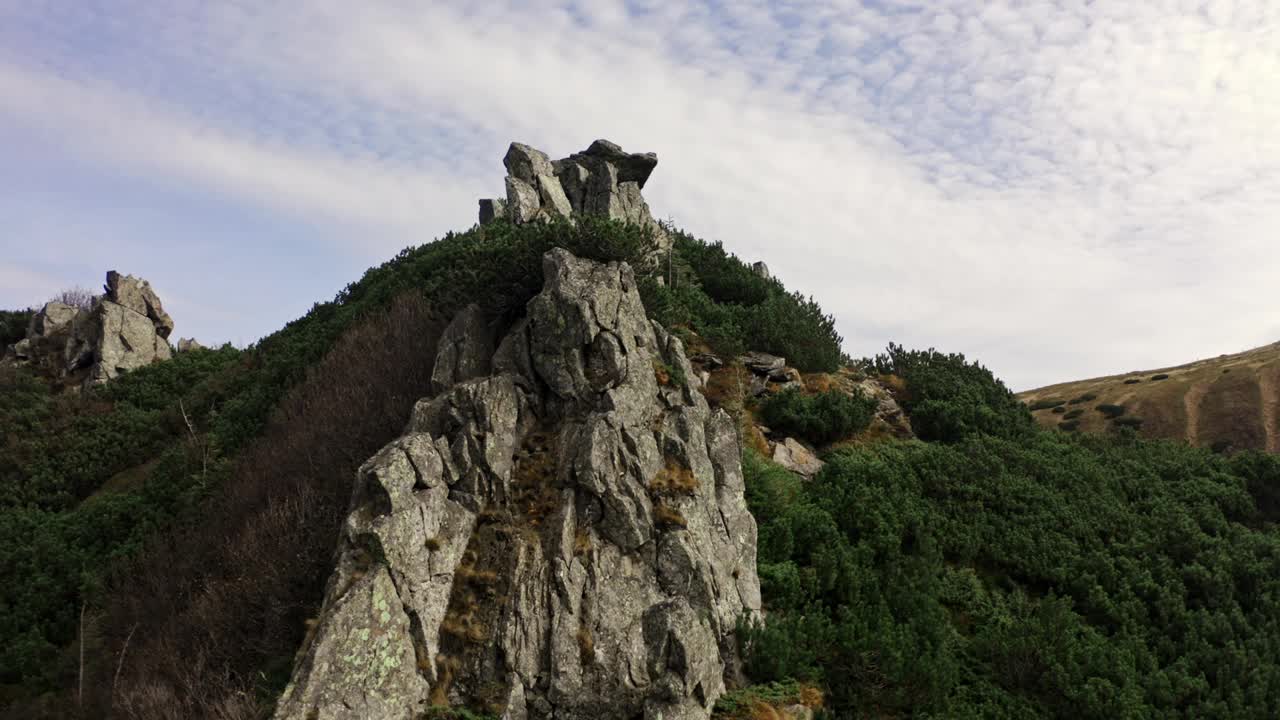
{"x":559,"y":533}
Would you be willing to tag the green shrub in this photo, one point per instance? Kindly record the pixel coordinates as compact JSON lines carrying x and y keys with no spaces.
{"x":1059,"y":410}
{"x":742,"y":703}
{"x":1161,"y":376}
{"x":1073,"y":414}
{"x":1051,"y":575}
{"x":821,"y":418}
{"x":1131,"y":422}
{"x":1132,"y":381}
{"x":1069,"y":425}
{"x":1110,"y":411}
{"x":1045,"y":404}
{"x":13,"y":326}
{"x":734,"y":309}
{"x":948,"y":398}
{"x":1087,"y":397}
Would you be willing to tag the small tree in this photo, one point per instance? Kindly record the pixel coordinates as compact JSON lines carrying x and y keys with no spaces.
{"x":76,"y":297}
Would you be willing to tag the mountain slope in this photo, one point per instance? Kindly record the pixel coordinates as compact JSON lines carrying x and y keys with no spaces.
{"x":1227,"y":402}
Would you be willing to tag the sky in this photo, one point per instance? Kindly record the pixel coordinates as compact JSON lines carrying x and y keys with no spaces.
{"x":1059,"y":189}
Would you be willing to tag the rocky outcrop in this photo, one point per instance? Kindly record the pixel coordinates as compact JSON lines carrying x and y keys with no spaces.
{"x":556,"y":534}
{"x":602,"y":180}
{"x":124,"y":329}
{"x":796,"y":457}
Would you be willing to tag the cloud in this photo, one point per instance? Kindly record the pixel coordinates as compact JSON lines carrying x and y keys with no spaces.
{"x":1059,"y":189}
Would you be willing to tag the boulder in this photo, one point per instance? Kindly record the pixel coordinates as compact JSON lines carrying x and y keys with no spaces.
{"x":54,"y":317}
{"x":136,"y":294}
{"x":492,"y":209}
{"x":466,"y":350}
{"x":526,"y":163}
{"x":762,"y":363}
{"x":126,"y":340}
{"x":523,"y":201}
{"x":760,"y":269}
{"x":631,"y":167}
{"x":796,"y":457}
{"x":189,"y":344}
{"x":556,"y":535}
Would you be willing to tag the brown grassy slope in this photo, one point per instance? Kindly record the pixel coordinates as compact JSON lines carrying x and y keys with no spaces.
{"x":1227,"y":401}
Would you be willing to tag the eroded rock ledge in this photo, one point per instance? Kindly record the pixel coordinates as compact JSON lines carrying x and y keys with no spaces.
{"x":556,"y":534}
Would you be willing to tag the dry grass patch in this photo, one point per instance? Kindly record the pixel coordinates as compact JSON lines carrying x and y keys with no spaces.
{"x":674,"y":479}
{"x":666,"y":516}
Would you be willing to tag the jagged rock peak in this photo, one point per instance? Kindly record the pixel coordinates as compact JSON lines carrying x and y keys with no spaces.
{"x":557,"y":534}
{"x":601,"y":180}
{"x":124,"y":329}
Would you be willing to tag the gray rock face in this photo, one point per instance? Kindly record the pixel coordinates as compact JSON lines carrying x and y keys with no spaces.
{"x":557,"y":535}
{"x":125,"y":329}
{"x":797,"y":458}
{"x":601,"y":180}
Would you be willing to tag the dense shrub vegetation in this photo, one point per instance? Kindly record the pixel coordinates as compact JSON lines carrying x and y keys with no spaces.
{"x":188,"y":513}
{"x":949,"y":399}
{"x":1042,"y":575}
{"x":13,"y":326}
{"x":820,"y":418}
{"x":733,"y":309}
{"x":56,"y":534}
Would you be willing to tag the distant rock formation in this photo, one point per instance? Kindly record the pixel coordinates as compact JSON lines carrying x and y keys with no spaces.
{"x":560,"y":533}
{"x":126,"y":328}
{"x":601,"y":180}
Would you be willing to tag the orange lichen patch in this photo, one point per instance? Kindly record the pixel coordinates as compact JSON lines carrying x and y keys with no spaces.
{"x":666,"y":516}
{"x":674,"y":479}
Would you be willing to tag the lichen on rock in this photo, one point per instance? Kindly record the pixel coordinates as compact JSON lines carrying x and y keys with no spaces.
{"x":531,"y":565}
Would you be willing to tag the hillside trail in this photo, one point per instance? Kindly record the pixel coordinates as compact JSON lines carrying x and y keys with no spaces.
{"x":1270,"y":391}
{"x":1191,"y":405}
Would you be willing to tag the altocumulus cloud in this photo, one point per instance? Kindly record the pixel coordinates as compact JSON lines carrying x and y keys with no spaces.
{"x":1059,"y":189}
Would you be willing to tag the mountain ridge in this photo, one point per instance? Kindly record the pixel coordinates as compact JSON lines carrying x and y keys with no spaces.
{"x":1231,"y":401}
